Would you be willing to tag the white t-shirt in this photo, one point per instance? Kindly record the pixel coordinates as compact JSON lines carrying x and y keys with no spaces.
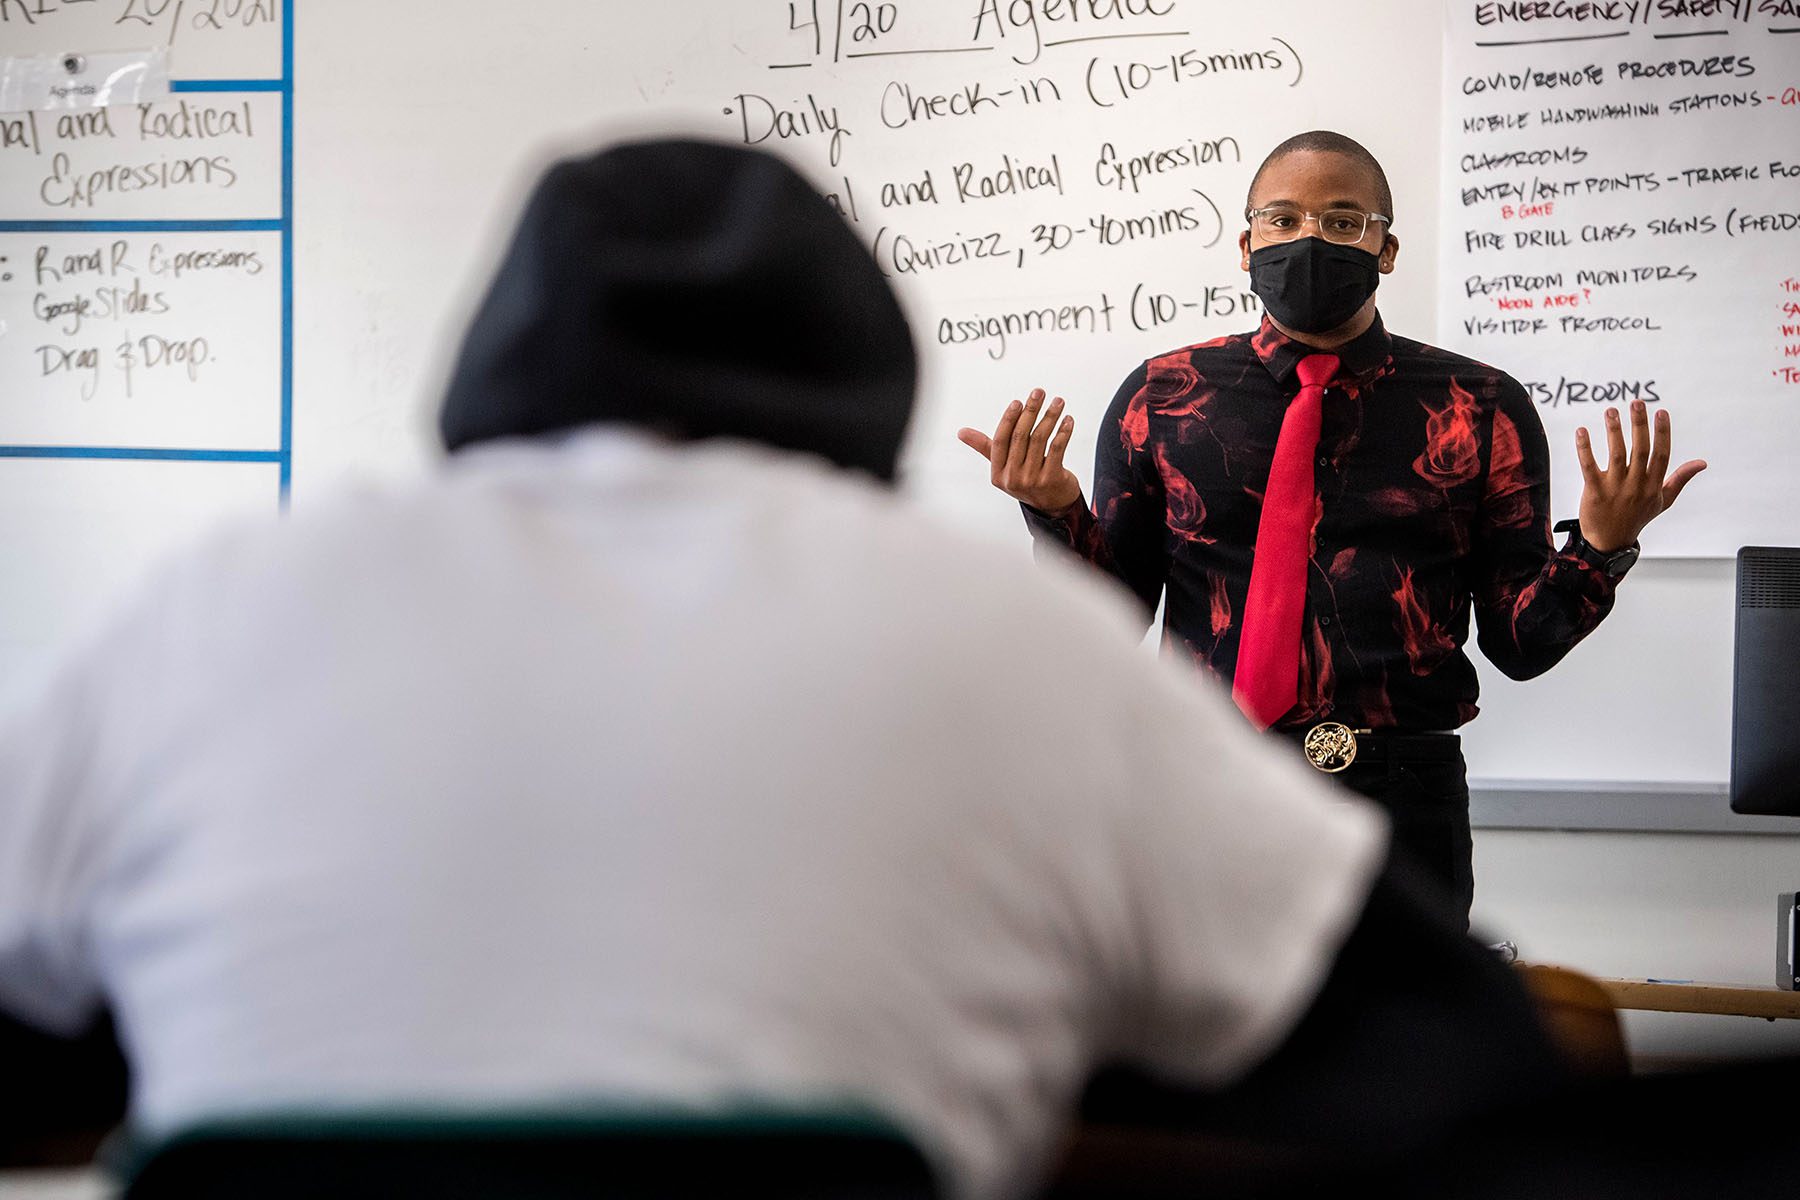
{"x":609,"y":770}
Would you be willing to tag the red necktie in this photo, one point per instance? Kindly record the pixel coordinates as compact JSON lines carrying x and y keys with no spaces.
{"x":1267,"y":681}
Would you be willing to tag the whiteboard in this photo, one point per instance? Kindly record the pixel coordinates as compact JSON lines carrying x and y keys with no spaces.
{"x":208,"y":156}
{"x":1621,"y":214}
{"x":417,"y":127}
{"x":145,"y":306}
{"x":455,"y":137}
{"x":146,"y":339}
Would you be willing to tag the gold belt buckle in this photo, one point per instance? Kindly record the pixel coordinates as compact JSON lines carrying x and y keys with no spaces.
{"x":1330,"y":746}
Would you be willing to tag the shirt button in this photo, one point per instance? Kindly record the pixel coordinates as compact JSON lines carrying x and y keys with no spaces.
{"x":1324,"y":621}
{"x":1323,"y":461}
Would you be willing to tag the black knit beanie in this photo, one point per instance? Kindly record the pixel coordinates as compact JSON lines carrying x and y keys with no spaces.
{"x":697,"y":289}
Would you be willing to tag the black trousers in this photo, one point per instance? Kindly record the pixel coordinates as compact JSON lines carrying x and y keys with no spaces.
{"x":1423,"y":783}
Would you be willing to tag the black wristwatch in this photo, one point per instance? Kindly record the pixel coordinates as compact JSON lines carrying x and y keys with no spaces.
{"x":1611,"y":564}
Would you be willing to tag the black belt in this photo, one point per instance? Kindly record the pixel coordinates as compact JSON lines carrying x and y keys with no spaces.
{"x":1331,"y":746}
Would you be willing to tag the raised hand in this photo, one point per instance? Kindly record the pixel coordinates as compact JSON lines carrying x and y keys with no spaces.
{"x":1025,"y":455}
{"x":1618,"y":502}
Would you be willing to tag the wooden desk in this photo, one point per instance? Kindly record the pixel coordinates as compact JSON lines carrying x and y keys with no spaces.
{"x":1726,"y":999}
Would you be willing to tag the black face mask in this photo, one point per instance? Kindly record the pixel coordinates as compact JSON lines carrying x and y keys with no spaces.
{"x":1311,"y":285}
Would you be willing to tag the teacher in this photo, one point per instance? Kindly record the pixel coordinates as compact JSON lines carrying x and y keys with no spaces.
{"x":1321,"y":505}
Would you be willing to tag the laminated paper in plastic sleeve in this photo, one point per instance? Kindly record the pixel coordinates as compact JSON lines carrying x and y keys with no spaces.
{"x":78,"y":80}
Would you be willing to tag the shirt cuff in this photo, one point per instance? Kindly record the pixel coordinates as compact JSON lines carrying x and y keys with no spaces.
{"x":1570,"y":572}
{"x":1059,"y":526}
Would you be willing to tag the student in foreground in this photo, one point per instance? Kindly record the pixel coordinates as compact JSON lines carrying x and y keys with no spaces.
{"x":652,"y":751}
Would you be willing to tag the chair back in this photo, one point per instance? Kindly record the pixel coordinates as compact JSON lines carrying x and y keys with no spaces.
{"x":1581,"y":1018}
{"x":537,"y":1156}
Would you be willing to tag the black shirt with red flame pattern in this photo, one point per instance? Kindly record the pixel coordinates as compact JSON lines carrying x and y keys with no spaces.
{"x":1433,"y":481}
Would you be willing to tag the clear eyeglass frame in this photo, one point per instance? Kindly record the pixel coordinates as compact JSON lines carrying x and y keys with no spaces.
{"x":1341,"y":226}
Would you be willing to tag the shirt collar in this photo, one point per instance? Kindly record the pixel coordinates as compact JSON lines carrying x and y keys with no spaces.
{"x":1361,"y":358}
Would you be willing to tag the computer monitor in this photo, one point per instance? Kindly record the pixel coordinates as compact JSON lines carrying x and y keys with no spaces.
{"x":1765,"y":685}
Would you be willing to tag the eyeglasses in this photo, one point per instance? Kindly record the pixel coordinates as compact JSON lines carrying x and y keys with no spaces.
{"x":1281,"y":223}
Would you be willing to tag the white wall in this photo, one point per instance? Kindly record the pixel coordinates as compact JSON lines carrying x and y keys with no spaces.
{"x":440,"y":147}
{"x":1646,"y":698}
{"x":1645,"y":905}
{"x":419,"y":122}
